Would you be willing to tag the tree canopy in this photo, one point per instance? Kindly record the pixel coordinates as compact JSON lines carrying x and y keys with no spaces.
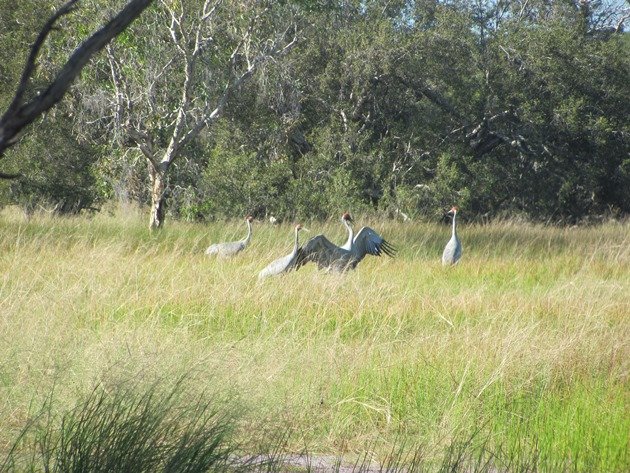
{"x":502,"y":107}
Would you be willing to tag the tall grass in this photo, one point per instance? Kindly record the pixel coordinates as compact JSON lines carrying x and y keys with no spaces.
{"x":128,"y":429}
{"x":517,"y":358}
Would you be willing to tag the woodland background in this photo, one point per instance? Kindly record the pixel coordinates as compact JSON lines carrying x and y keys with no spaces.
{"x":300,"y":109}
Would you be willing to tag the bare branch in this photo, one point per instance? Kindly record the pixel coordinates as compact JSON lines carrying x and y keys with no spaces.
{"x":207,"y":13}
{"x":202,"y":43}
{"x":175,"y":28}
{"x":145,"y":144}
{"x":29,"y":67}
{"x":114,"y":68}
{"x":622,"y":20}
{"x":19,"y":114}
{"x":211,"y":114}
{"x":422,"y":88}
{"x":4,"y":175}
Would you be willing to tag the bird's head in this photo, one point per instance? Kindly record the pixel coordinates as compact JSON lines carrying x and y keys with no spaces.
{"x":299,"y":227}
{"x":249,"y":218}
{"x":347,"y":217}
{"x":453,"y":210}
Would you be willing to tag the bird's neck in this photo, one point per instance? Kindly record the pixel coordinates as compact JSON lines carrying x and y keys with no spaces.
{"x":295,"y":247}
{"x":455,"y":224}
{"x":350,"y":233}
{"x":249,"y":232}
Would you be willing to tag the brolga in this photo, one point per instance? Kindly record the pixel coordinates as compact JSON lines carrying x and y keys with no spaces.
{"x":233,"y":247}
{"x":286,"y":263}
{"x":328,"y":256}
{"x":453,"y":250}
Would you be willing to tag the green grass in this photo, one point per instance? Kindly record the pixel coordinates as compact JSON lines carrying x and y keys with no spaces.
{"x":127,"y":428}
{"x":517,"y":358}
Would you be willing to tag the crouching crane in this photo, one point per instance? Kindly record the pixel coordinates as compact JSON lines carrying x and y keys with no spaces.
{"x":453,"y":250}
{"x":233,"y":247}
{"x":329,"y":256}
{"x":286,"y":263}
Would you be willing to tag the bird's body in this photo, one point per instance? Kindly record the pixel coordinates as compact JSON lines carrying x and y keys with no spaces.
{"x":284,"y":264}
{"x":331,"y":257}
{"x":233,"y":247}
{"x":453,"y":250}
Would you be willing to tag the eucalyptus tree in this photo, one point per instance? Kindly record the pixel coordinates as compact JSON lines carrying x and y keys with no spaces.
{"x":530,"y":104}
{"x":555,"y":108}
{"x":172,"y":77}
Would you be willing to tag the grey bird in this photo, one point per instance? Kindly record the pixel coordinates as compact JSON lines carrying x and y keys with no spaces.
{"x":286,"y":263}
{"x":331,"y":257}
{"x":453,"y":250}
{"x":233,"y":247}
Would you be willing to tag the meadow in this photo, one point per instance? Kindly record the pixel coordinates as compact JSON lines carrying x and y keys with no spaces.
{"x":517,"y":358}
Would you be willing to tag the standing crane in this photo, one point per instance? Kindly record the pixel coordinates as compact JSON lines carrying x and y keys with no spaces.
{"x":286,"y":263}
{"x":453,"y":250}
{"x":329,"y":256}
{"x":233,"y":247}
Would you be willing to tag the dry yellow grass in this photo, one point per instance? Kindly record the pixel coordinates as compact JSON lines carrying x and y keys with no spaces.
{"x":526,"y":341}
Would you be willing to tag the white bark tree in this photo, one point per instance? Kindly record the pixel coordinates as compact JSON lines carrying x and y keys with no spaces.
{"x":205,"y":51}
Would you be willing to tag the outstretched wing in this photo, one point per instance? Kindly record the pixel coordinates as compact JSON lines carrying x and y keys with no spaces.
{"x":368,"y":242}
{"x":320,"y":250}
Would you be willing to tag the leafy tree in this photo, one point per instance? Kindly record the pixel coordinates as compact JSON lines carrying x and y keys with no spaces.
{"x":170,"y":86}
{"x":58,"y":171}
{"x":518,"y":106}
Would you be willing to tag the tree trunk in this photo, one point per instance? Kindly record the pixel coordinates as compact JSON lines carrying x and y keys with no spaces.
{"x":158,"y":196}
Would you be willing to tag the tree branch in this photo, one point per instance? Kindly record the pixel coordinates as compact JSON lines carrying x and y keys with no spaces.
{"x":19,"y":114}
{"x":275,"y":51}
{"x":622,"y":20}
{"x":29,"y":67}
{"x":145,"y":144}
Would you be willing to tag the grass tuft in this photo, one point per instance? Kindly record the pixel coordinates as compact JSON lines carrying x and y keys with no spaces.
{"x":128,"y":428}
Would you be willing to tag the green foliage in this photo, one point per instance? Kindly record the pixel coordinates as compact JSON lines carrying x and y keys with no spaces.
{"x":58,"y":172}
{"x":381,"y":107}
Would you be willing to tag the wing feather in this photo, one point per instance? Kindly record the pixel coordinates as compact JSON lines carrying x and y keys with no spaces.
{"x":318,"y":249}
{"x":368,"y":242}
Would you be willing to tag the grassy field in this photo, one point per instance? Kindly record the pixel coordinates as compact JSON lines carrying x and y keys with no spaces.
{"x":519,"y":355}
